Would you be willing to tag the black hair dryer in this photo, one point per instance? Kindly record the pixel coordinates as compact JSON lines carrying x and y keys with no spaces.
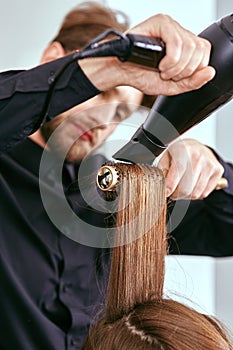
{"x":173,"y":115}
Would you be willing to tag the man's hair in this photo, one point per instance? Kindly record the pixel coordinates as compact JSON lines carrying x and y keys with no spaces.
{"x":86,"y":21}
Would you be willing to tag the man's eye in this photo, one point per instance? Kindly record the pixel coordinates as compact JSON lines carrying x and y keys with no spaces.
{"x":119,"y":115}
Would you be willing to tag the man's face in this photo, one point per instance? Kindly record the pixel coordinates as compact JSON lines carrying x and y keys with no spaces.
{"x":86,"y":126}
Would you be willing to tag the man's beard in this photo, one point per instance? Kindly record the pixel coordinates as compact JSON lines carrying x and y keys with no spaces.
{"x":76,"y":152}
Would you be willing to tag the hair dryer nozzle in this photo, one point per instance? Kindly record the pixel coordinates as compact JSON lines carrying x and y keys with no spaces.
{"x":140,"y":149}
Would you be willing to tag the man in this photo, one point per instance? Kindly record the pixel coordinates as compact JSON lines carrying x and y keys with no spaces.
{"x":185,"y":67}
{"x":52,"y":286}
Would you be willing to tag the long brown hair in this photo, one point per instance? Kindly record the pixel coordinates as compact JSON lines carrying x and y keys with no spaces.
{"x":137,"y":314}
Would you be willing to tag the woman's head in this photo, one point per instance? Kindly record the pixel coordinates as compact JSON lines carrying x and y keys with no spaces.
{"x":138,"y":316}
{"x":159,"y":325}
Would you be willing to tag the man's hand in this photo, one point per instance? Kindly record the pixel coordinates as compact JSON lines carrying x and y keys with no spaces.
{"x":187,"y":56}
{"x":184,"y":67}
{"x":191,"y":170}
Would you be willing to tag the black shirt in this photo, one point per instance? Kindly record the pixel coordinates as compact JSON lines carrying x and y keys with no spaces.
{"x":23,"y":98}
{"x":51,"y":286}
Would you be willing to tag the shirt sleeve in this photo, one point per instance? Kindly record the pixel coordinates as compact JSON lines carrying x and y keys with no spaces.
{"x":207,"y":225}
{"x":23,"y":97}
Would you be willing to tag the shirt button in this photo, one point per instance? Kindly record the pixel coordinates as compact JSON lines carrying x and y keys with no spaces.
{"x":73,"y":342}
{"x":67,"y":287}
{"x":51,"y":77}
